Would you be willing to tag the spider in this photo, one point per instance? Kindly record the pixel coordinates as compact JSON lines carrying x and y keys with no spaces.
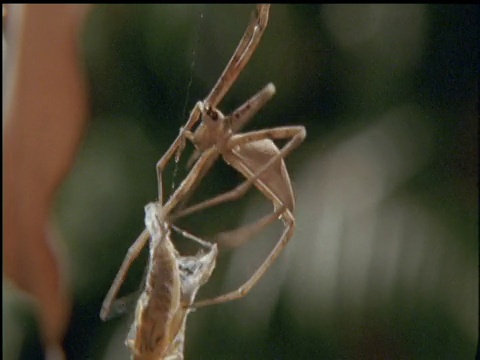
{"x":253,"y":154}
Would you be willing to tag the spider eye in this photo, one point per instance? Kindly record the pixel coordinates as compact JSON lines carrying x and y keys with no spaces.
{"x":212,"y":114}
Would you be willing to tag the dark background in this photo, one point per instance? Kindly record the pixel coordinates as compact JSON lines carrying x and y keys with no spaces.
{"x":384,"y":261}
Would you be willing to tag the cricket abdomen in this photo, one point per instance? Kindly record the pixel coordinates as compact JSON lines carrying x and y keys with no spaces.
{"x":158,"y":304}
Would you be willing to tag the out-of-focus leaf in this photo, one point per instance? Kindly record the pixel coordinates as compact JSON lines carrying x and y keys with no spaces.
{"x":45,"y":108}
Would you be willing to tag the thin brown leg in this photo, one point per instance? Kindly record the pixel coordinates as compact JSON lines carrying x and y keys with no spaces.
{"x":203,"y":171}
{"x":230,"y":195}
{"x":132,"y":254}
{"x":240,"y":117}
{"x":176,"y":147}
{"x":245,"y":48}
{"x":250,"y":283}
{"x":247,"y":45}
{"x":296,"y":133}
{"x":237,"y":237}
{"x":195,"y":175}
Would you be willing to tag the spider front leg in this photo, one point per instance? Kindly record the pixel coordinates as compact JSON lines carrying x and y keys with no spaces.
{"x":244,"y":51}
{"x":177,"y":147}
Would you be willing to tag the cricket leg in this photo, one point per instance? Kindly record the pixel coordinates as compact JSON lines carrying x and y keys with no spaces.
{"x":132,"y":254}
{"x":192,"y":237}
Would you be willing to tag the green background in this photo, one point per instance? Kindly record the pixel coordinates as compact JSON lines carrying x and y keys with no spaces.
{"x":384,"y":261}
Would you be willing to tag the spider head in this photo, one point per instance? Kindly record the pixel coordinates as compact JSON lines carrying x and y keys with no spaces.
{"x":214,"y":127}
{"x":213,"y":118}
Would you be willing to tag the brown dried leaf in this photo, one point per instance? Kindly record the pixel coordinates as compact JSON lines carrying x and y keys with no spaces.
{"x":45,"y":112}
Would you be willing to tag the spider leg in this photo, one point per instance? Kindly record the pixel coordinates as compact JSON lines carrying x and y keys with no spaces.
{"x":176,"y":147}
{"x":252,"y":281}
{"x":239,"y":236}
{"x":192,"y":179}
{"x":296,"y":134}
{"x":245,"y":48}
{"x":241,"y":116}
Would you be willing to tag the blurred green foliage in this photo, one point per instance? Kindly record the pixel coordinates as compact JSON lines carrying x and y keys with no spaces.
{"x":384,"y":262}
